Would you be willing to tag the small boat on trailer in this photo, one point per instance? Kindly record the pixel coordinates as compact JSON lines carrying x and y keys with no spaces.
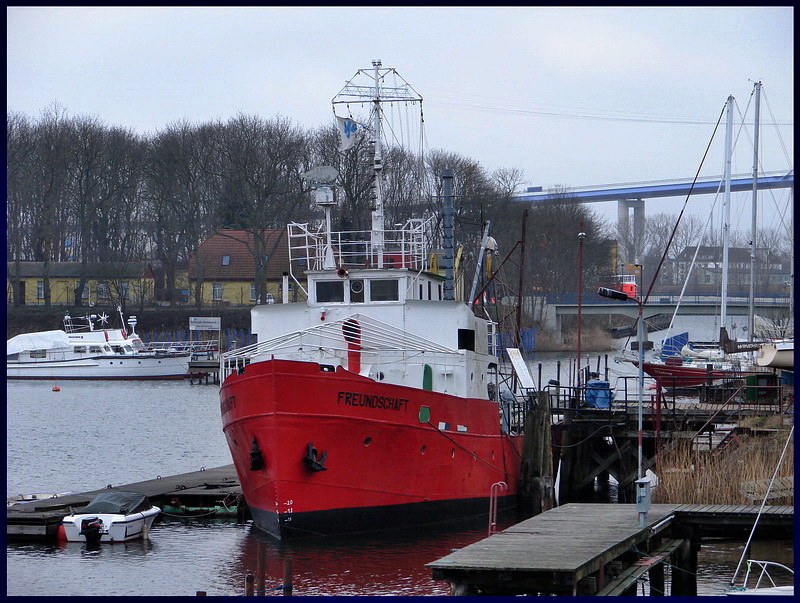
{"x":114,"y":516}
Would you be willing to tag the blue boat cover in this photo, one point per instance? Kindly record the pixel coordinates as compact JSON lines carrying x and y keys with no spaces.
{"x":672,"y":346}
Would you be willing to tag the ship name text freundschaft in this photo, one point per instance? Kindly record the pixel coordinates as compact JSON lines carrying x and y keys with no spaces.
{"x":372,"y":401}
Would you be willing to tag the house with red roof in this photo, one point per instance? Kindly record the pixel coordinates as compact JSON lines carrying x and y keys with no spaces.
{"x":226,"y":265}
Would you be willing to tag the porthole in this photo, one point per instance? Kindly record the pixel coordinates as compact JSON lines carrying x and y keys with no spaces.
{"x":367,"y":441}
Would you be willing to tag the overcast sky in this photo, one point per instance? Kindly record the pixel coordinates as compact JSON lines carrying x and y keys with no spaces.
{"x":574,"y":96}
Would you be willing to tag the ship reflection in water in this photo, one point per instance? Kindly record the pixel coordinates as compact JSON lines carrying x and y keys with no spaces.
{"x":391,"y":563}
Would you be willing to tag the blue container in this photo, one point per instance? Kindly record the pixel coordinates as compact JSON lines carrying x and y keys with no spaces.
{"x":598,"y":394}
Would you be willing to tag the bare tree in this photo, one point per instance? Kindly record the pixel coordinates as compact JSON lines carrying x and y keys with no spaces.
{"x":261,"y":166}
{"x":19,"y":150}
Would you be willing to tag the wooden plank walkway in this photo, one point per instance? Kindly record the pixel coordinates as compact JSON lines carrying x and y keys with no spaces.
{"x":561,"y":546}
{"x":40,"y":519}
{"x":556,"y":550}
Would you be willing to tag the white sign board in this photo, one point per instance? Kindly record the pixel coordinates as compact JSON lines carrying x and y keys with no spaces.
{"x":204,"y":323}
{"x":520,"y":368}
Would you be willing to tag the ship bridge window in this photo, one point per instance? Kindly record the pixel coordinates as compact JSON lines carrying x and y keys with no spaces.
{"x":330,"y":291}
{"x":384,"y":290}
{"x":79,"y":349}
{"x":38,"y":353}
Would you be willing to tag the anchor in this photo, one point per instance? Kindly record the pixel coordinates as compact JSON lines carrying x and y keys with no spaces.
{"x":311,"y":461}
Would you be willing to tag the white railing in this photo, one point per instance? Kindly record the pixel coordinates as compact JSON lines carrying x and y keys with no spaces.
{"x":406,"y":247}
{"x":379,"y":343}
{"x":195,"y":347}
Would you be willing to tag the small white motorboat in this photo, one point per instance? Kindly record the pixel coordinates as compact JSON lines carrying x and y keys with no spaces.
{"x":113,"y":516}
{"x":760,"y":587}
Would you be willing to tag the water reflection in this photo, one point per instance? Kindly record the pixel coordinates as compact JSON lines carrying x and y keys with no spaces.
{"x":391,"y":563}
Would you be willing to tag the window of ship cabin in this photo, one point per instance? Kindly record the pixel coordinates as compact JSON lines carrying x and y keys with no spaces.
{"x":79,"y":349}
{"x":429,"y":290}
{"x":38,"y":353}
{"x":357,"y":291}
{"x":330,"y":291}
{"x":420,"y":292}
{"x":383,"y":290}
{"x":95,"y":349}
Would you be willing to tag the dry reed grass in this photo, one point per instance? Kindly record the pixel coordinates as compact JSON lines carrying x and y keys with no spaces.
{"x":698,"y":477}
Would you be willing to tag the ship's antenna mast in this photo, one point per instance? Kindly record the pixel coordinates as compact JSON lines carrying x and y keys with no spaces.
{"x":377,"y":211}
{"x":376,"y":94}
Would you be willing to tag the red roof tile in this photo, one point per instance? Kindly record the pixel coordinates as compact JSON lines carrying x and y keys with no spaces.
{"x":237,"y":246}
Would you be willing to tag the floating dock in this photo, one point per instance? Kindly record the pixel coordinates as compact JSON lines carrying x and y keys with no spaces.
{"x":207,"y":492}
{"x":597,"y":549}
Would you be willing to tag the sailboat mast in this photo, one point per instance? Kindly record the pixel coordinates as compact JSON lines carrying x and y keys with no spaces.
{"x":377,"y":166}
{"x":726,"y":211}
{"x":751,"y":311}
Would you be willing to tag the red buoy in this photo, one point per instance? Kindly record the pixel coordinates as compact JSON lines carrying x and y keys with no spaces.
{"x":56,"y":388}
{"x":61,"y":535}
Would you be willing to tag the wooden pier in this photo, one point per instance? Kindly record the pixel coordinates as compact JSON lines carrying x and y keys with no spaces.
{"x":591,"y":443}
{"x":203,"y":369}
{"x":187,"y":494}
{"x":596,"y":549}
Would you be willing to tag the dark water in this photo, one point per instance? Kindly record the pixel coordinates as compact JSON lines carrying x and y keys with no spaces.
{"x":91,"y":434}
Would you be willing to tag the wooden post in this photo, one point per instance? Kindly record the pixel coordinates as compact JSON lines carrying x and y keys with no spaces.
{"x":260,"y":586}
{"x":657,"y":580}
{"x":287,"y":576}
{"x":537,"y":465}
{"x":248,"y":585}
{"x":684,"y":574}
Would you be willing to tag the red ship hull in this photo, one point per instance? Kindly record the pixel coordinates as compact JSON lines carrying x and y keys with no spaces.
{"x":686,"y":376}
{"x":320,"y":451}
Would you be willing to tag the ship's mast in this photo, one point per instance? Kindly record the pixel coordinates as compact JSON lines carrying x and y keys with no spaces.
{"x":726,"y":211}
{"x":373,"y":91}
{"x":377,"y":166}
{"x":751,"y":311}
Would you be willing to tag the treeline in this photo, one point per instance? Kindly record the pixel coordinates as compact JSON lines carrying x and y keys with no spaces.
{"x":81,"y":190}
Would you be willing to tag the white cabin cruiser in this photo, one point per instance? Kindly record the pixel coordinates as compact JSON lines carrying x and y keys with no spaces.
{"x":114,"y":516}
{"x":85,"y":351}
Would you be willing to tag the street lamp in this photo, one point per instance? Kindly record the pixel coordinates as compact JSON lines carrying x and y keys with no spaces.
{"x":614,"y":294}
